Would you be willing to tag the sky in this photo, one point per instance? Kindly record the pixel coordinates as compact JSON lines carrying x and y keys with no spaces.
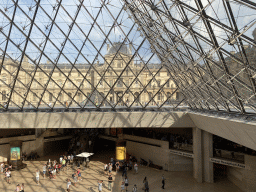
{"x":89,"y":40}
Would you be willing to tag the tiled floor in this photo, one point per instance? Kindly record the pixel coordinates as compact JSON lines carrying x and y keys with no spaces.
{"x":175,"y":181}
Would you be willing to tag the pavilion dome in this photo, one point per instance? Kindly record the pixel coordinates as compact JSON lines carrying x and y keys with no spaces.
{"x":125,"y":49}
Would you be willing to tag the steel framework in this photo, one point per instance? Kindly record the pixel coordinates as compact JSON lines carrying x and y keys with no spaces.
{"x":207,"y":48}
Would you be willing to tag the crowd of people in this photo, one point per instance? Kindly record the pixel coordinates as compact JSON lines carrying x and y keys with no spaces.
{"x":125,"y":167}
{"x":51,"y":169}
{"x":6,"y":170}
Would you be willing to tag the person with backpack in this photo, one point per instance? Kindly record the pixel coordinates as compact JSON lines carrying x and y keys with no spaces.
{"x":110,"y":179}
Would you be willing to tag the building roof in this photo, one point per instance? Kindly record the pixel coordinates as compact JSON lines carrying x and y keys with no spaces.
{"x":124,"y":49}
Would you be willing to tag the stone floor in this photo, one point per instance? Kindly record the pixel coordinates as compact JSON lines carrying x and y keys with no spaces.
{"x":175,"y":181}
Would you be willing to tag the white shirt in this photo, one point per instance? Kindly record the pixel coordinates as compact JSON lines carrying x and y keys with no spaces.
{"x":37,"y":174}
{"x":100,"y":186}
{"x":68,"y":184}
{"x":8,"y":174}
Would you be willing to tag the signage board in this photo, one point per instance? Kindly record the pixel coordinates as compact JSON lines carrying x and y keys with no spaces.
{"x":228,"y":163}
{"x":181,"y":153}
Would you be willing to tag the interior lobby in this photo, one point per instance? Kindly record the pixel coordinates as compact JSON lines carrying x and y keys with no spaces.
{"x":165,"y":86}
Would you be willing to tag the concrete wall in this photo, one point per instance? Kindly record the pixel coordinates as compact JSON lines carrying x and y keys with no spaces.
{"x":245,"y":179}
{"x":159,"y":155}
{"x":4,"y":152}
{"x":29,"y":144}
{"x":250,"y":173}
{"x":95,"y":120}
{"x":22,"y":138}
{"x":240,"y":132}
{"x":180,"y":163}
{"x":236,"y":176}
{"x":163,"y":144}
{"x":139,"y":150}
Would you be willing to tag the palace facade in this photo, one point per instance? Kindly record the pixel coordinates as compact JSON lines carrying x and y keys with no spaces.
{"x":79,"y":86}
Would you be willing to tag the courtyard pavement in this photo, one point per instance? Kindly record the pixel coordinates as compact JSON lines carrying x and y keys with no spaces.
{"x":175,"y":181}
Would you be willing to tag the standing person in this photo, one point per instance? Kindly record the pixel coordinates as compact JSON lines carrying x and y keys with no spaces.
{"x":68,"y":160}
{"x":136,"y":167}
{"x":122,"y":187}
{"x":117,"y":166}
{"x":110,"y":179}
{"x":134,"y":189}
{"x":18,"y":188}
{"x":61,"y":158}
{"x":79,"y":174}
{"x":87,"y":162}
{"x":124,"y":171}
{"x":110,"y":168}
{"x":22,"y":187}
{"x":126,"y":183}
{"x":8,"y":175}
{"x":100,"y":185}
{"x":163,"y":181}
{"x":71,"y":158}
{"x":75,"y":178}
{"x":37,"y":176}
{"x":145,"y":181}
{"x":44,"y":170}
{"x":2,"y":167}
{"x":63,"y":163}
{"x":59,"y":168}
{"x":68,"y":185}
{"x":106,"y":168}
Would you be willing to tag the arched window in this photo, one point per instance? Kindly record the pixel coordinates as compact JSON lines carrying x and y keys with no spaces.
{"x":50,"y":96}
{"x":70,"y":96}
{"x":168,"y":84}
{"x":79,"y":95}
{"x":34,"y":97}
{"x":60,"y":97}
{"x":119,"y":83}
{"x":150,"y":95}
{"x":159,"y":96}
{"x":168,"y":96}
{"x":177,"y":96}
{"x":136,"y":97}
{"x":4,"y":95}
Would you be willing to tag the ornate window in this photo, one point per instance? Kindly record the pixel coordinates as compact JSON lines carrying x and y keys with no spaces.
{"x":4,"y":95}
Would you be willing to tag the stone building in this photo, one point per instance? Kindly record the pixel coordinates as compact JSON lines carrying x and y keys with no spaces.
{"x":83,"y":78}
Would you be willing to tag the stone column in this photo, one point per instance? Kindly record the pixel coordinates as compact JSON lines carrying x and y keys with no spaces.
{"x":197,"y":150}
{"x":207,"y":154}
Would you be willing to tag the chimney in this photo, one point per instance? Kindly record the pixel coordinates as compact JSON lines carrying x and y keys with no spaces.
{"x":246,"y":46}
{"x":25,"y":59}
{"x":130,"y":47}
{"x":108,"y":46}
{"x":232,"y":52}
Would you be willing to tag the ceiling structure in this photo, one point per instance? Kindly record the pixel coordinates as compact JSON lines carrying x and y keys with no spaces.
{"x":207,"y":47}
